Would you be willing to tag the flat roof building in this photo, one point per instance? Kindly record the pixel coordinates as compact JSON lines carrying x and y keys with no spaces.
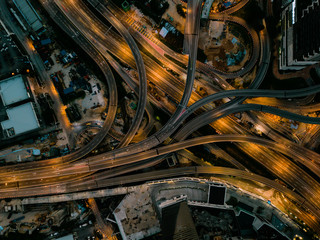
{"x":300,"y":43}
{"x":13,"y":90}
{"x":19,"y":115}
{"x":163,"y":32}
{"x":29,"y":14}
{"x":68,"y":237}
{"x":21,"y":119}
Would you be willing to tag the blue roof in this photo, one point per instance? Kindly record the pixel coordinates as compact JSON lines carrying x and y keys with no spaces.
{"x":63,"y":52}
{"x":45,"y":41}
{"x":68,"y":90}
{"x":36,"y":152}
{"x":234,"y":40}
{"x":227,"y":4}
{"x":231,"y":61}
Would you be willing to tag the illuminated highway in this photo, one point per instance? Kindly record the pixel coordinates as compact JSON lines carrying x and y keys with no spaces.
{"x":309,"y":219}
{"x":141,"y":71}
{"x":112,"y":89}
{"x":255,"y":44}
{"x":65,"y":174}
{"x":39,"y":69}
{"x":44,"y":170}
{"x":107,"y":73}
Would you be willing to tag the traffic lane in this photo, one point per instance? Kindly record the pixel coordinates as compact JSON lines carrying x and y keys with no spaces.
{"x":141,"y":71}
{"x":190,"y":110}
{"x":191,"y":171}
{"x":213,"y":115}
{"x":85,"y":168}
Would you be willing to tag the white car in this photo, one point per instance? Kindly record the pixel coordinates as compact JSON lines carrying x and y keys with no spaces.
{"x":83,"y":225}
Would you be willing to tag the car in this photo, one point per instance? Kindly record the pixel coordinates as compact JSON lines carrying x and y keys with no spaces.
{"x":83,"y":225}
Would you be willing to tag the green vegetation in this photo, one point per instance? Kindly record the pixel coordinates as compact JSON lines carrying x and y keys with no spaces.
{"x":162,"y":116}
{"x":232,"y":201}
{"x":201,"y":56}
{"x":241,"y":33}
{"x":253,"y":15}
{"x":289,"y":84}
{"x":260,"y":210}
{"x":153,"y":8}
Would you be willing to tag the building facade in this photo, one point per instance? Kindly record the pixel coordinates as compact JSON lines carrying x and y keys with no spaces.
{"x":300,"y":42}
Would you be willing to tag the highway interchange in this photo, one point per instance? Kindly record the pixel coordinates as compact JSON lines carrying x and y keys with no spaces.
{"x":75,"y":172}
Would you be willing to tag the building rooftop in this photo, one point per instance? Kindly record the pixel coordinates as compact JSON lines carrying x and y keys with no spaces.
{"x":17,"y":114}
{"x":68,"y":237}
{"x":29,"y":14}
{"x":136,"y":217}
{"x":245,"y":221}
{"x":163,"y":32}
{"x":13,"y":90}
{"x":300,"y":5}
{"x":245,"y":207}
{"x":161,"y":209}
{"x":306,"y":32}
{"x":3,"y":112}
{"x":217,"y":194}
{"x":21,"y":119}
{"x":177,"y":222}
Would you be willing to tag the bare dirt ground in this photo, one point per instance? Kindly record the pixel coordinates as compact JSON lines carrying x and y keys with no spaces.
{"x":178,"y":21}
{"x":220,"y":44}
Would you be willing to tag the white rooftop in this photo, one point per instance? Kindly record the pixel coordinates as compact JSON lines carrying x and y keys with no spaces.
{"x":13,"y":90}
{"x":163,"y":32}
{"x":68,"y":237}
{"x":21,"y":118}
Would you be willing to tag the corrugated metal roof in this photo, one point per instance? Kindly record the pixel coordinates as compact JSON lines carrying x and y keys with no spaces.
{"x":29,"y":14}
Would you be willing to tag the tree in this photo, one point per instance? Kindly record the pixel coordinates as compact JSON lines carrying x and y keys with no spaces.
{"x":181,"y":11}
{"x":232,"y":201}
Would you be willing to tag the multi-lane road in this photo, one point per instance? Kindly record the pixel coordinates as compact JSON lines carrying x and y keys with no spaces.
{"x":68,"y":175}
{"x":44,"y":170}
{"x":140,"y":66}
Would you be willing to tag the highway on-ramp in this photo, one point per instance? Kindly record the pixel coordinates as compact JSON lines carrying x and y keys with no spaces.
{"x":140,"y":66}
{"x":59,"y":177}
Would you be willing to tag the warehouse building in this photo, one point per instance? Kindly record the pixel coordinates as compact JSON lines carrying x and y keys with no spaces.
{"x":17,"y":113}
{"x":29,"y":14}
